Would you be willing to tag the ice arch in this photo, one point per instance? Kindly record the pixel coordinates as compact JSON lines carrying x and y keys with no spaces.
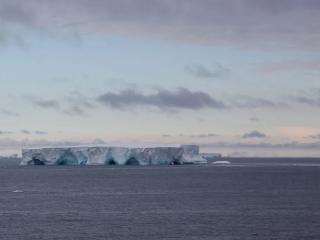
{"x":132,"y":161}
{"x":111,"y":161}
{"x":68,"y":158}
{"x":36,"y":161}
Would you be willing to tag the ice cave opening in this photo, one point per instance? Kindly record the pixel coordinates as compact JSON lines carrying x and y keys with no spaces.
{"x":175,"y":162}
{"x":132,"y":161}
{"x":36,"y":161}
{"x":111,"y":161}
{"x":68,"y":158}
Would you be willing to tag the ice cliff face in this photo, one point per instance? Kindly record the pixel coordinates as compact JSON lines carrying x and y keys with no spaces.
{"x":191,"y":154}
{"x":103,"y":155}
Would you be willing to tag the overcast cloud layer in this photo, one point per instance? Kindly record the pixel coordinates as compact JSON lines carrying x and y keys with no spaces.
{"x":269,"y":23}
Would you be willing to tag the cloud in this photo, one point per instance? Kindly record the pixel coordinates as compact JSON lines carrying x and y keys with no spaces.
{"x":40,"y":132}
{"x":206,"y":135}
{"x":245,"y":23}
{"x":182,"y":98}
{"x":9,"y":113}
{"x":37,"y":132}
{"x":168,"y":100}
{"x":316,"y":136}
{"x":166,"y":135}
{"x":254,"y":134}
{"x":78,"y":104}
{"x":74,"y":111}
{"x":5,"y":132}
{"x":44,"y":103}
{"x":254,"y":119}
{"x":256,"y":102}
{"x":25,"y":131}
{"x":201,"y":135}
{"x":310,"y":98}
{"x":200,"y":71}
{"x":310,"y":101}
{"x":77,"y":98}
{"x":74,"y":104}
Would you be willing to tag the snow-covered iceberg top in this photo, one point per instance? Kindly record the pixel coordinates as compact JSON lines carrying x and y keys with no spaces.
{"x":106,"y":155}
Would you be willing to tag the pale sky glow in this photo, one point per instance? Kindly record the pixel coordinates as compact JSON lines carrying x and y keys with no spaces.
{"x":239,"y":77}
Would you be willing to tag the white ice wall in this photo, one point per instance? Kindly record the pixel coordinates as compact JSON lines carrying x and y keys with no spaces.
{"x":100,"y":155}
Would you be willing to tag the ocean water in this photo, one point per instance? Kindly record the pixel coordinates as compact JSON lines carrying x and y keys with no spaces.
{"x":248,"y":199}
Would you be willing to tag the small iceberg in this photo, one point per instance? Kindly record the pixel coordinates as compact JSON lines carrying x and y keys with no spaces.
{"x":17,"y":191}
{"x":221,"y":162}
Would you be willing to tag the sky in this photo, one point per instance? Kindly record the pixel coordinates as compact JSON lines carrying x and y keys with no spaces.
{"x":238,"y":77}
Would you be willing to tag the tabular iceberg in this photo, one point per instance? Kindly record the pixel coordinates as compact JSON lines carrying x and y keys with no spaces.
{"x":104,"y":155}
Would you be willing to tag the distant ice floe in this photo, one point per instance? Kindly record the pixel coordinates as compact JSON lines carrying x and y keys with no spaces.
{"x":17,"y":191}
{"x":221,"y":162}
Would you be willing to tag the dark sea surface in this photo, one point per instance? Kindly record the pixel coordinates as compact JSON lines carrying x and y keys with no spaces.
{"x":248,"y":199}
